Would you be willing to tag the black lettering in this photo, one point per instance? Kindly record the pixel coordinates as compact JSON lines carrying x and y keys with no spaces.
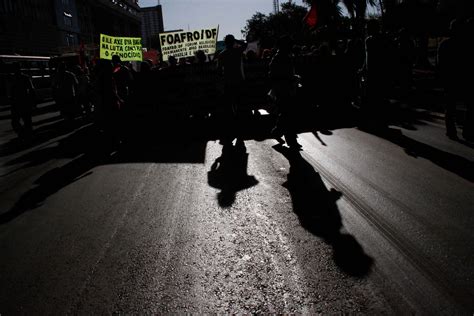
{"x":208,"y":33}
{"x":189,"y":36}
{"x":196,"y":35}
{"x":162,"y":39}
{"x":169,"y":39}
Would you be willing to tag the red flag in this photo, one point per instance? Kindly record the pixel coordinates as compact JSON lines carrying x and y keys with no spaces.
{"x":311,"y":18}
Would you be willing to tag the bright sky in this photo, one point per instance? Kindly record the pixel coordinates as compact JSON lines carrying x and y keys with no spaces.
{"x":231,"y":15}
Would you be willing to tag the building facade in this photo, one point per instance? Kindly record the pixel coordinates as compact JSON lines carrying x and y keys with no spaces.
{"x":28,"y":27}
{"x":67,"y":22}
{"x":110,"y":17}
{"x":49,"y":27}
{"x":152,"y":24}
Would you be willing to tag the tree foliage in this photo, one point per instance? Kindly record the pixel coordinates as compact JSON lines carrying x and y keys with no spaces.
{"x":268,"y":28}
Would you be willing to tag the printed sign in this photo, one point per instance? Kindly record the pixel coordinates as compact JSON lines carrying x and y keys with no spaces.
{"x":186,"y":43}
{"x":127,"y":48}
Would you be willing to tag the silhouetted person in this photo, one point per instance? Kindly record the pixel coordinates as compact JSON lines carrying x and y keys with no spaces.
{"x":172,"y":62}
{"x":144,"y":92}
{"x":65,"y":91}
{"x":174,"y":95}
{"x":377,"y":65}
{"x":406,"y":59}
{"x":451,"y":67}
{"x":251,"y":56}
{"x":123,"y":78}
{"x":145,"y":66}
{"x":323,"y":77}
{"x":355,"y":56}
{"x":200,"y":57}
{"x":282,"y":77}
{"x":229,"y":173}
{"x":83,"y":89}
{"x":468,"y":131}
{"x":231,"y":64}
{"x":22,"y":97}
{"x":266,"y":54}
{"x":108,"y":101}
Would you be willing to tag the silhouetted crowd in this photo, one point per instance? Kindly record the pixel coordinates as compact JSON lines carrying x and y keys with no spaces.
{"x":353,"y":72}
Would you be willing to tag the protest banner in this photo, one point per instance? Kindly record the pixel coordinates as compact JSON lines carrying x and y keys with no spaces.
{"x":127,"y":48}
{"x":186,"y":43}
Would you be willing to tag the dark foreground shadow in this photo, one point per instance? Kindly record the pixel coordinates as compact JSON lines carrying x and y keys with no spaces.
{"x":229,"y":173}
{"x":451,"y":162}
{"x":50,"y":183}
{"x":318,"y":213}
{"x":87,"y":148}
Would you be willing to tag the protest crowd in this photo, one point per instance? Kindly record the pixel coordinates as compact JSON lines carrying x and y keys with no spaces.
{"x":363,"y":72}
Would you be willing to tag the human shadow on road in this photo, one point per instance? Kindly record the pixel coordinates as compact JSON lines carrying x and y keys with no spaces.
{"x":318,"y":213}
{"x":85,"y":152}
{"x":229,"y":173}
{"x":55,"y":127}
{"x":87,"y":148}
{"x":50,"y":183}
{"x":451,"y":162}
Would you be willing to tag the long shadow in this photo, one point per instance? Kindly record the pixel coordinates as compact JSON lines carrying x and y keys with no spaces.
{"x":318,"y":213}
{"x":228,"y":173}
{"x":68,"y":147}
{"x":86,"y":150}
{"x":41,"y":135}
{"x":90,"y":148}
{"x":47,"y":120}
{"x":150,"y":140}
{"x":451,"y":162}
{"x":50,"y":183}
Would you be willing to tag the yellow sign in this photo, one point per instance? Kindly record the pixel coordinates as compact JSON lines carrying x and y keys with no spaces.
{"x":127,"y":48}
{"x":185,"y":44}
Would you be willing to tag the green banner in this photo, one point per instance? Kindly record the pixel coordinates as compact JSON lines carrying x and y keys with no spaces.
{"x":127,"y":48}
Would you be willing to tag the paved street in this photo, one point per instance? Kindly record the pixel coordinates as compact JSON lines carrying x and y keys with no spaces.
{"x":358,"y":221}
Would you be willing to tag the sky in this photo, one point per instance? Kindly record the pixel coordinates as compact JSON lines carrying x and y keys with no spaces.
{"x":230,"y":15}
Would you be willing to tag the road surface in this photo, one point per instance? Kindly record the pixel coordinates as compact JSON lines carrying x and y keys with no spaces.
{"x":358,"y":221}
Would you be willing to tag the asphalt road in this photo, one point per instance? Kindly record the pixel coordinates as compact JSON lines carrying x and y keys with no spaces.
{"x":358,"y":221}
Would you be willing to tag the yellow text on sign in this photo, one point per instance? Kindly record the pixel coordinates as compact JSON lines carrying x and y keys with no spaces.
{"x":127,"y":48}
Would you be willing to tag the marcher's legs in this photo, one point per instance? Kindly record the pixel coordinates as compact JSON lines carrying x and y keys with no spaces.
{"x":15,"y":117}
{"x":450,"y":114}
{"x":468,"y":130}
{"x":27,"y":121}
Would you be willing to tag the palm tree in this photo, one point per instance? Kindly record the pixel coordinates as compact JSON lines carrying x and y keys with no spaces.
{"x":358,"y":8}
